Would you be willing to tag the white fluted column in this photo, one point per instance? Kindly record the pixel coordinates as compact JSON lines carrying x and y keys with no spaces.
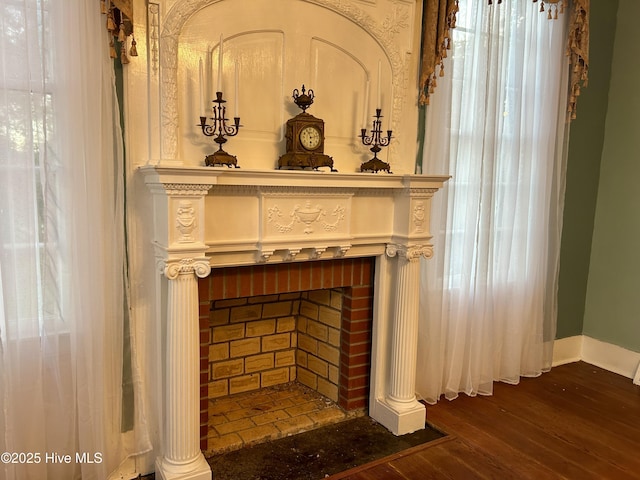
{"x":402,"y":413}
{"x":182,"y":456}
{"x":404,"y":340}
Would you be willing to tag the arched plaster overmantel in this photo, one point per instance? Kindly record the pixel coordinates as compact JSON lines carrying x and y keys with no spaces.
{"x":383,"y":33}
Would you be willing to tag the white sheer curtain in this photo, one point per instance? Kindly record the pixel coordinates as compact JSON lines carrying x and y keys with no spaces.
{"x":496,"y":125}
{"x":62,"y":295}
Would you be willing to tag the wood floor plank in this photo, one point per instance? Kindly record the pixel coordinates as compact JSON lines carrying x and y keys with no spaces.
{"x":575,"y":422}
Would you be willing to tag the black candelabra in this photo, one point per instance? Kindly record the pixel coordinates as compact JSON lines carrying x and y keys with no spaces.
{"x":220,"y":130}
{"x":377,"y":140}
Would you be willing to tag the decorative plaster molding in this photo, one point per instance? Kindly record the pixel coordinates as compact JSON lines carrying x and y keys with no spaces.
{"x":384,"y":33}
{"x":308,"y":215}
{"x":186,"y":266}
{"x":409,"y":252}
{"x":186,"y":221}
{"x":186,"y":189}
{"x":153,"y":19}
{"x":419,"y":216}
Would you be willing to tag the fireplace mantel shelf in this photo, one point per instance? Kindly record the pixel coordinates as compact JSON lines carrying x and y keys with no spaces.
{"x":289,"y":178}
{"x":240,"y":217}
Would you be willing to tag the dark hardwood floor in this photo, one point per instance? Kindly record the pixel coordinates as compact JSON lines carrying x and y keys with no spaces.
{"x":575,"y":422}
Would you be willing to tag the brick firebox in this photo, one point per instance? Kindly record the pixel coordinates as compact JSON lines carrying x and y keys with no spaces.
{"x":353,"y":275}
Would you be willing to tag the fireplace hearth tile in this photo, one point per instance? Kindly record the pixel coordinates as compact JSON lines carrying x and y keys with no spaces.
{"x":268,"y":414}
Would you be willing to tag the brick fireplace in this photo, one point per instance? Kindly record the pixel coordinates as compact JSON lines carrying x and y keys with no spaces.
{"x":266,"y":325}
{"x":228,"y":237}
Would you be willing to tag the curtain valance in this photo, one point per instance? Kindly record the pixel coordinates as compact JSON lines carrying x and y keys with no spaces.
{"x":439,"y":17}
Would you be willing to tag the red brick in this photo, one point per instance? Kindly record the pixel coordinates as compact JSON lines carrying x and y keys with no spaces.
{"x":359,"y":314}
{"x":204,"y":285}
{"x":258,"y":273}
{"x":355,"y":348}
{"x":358,"y":291}
{"x":305,"y":276}
{"x":270,"y":281}
{"x":357,"y":303}
{"x":294,"y":277}
{"x":367,"y":271}
{"x":283,"y":279}
{"x":327,"y":274}
{"x":217,"y":284}
{"x":355,"y":337}
{"x":316,"y":278}
{"x":356,"y":371}
{"x":245,"y":281}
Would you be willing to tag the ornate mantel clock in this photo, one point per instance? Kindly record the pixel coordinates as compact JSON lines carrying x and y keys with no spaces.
{"x":305,"y":137}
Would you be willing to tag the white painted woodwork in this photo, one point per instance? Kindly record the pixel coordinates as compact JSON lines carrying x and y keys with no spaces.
{"x":199,"y":218}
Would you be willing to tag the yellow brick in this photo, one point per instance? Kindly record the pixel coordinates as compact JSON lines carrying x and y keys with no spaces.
{"x":290,"y":426}
{"x":260,"y":328}
{"x":259,"y":434}
{"x":322,"y":297}
{"x":218,"y":351}
{"x":228,"y":332}
{"x":318,"y":366}
{"x":329,"y":353}
{"x":270,"y":417}
{"x":293,"y":373}
{"x":301,"y":357}
{"x":330,"y":316}
{"x":258,"y":362}
{"x":318,"y":330}
{"x":285,"y":358}
{"x":334,"y":374}
{"x":228,"y":368}
{"x":328,"y":389}
{"x":307,"y":344}
{"x":246,"y":313}
{"x":235,"y":426}
{"x":275,"y":377}
{"x":264,"y":298}
{"x":302,"y":324}
{"x":307,"y":378}
{"x":279,"y":341}
{"x":219,"y":317}
{"x":219,"y":388}
{"x":245,"y":347}
{"x":336,"y":299}
{"x":220,"y":444}
{"x":244,"y":383}
{"x":231,"y":302}
{"x":334,"y":337}
{"x":309,"y":310}
{"x":287,"y":324}
{"x":278,"y":309}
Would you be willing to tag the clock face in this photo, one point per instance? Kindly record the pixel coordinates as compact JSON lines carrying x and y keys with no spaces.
{"x":310,"y":137}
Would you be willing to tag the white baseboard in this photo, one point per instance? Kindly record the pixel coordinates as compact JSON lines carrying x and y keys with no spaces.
{"x":601,"y":354}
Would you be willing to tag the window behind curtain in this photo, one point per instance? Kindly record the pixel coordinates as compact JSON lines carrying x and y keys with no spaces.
{"x":496,"y":125}
{"x":30,"y":263}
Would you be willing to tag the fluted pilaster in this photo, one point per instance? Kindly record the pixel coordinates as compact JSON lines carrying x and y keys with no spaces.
{"x":404,"y":339}
{"x":182,"y":453}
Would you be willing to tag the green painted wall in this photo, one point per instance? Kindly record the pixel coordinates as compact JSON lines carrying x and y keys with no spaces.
{"x":583,"y":169}
{"x":612,"y":307}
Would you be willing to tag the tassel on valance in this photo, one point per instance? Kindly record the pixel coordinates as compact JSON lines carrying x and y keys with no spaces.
{"x":439,"y":17}
{"x":119,"y":24}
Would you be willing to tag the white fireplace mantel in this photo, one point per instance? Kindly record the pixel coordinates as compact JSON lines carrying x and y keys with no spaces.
{"x":208,"y":218}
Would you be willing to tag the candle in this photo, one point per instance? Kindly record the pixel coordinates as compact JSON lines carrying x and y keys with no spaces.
{"x":379,"y":97}
{"x":201,"y":86}
{"x":237,"y":90}
{"x":220,"y":65}
{"x":365,"y":107}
